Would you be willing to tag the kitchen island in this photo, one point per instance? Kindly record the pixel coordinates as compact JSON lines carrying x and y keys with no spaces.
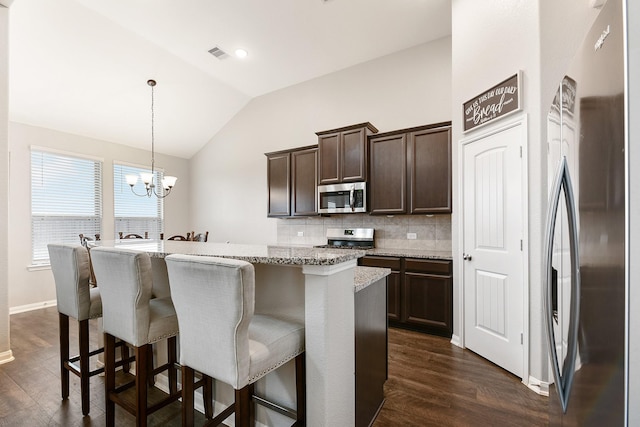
{"x":313,"y":285}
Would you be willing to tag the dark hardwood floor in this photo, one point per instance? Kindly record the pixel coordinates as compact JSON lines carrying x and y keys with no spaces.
{"x":431,"y":383}
{"x":434,"y":383}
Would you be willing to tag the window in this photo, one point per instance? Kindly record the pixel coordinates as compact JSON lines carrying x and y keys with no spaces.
{"x":66,"y":200}
{"x":135,"y":214}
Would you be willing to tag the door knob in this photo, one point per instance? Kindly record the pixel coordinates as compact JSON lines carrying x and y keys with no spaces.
{"x":466,"y":257}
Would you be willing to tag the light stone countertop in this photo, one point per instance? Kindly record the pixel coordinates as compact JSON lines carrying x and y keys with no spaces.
{"x":256,"y":254}
{"x":365,"y":276}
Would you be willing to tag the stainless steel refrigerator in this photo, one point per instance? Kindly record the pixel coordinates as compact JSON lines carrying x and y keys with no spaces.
{"x":584,"y":256}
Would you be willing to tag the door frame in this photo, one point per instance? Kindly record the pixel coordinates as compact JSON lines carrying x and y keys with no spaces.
{"x":521,"y":121}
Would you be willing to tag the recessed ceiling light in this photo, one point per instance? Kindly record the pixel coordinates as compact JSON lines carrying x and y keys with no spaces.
{"x":241,"y":53}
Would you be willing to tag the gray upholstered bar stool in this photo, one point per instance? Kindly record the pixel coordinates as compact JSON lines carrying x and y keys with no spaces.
{"x":221,"y":337}
{"x":75,"y":298}
{"x":129,"y":313}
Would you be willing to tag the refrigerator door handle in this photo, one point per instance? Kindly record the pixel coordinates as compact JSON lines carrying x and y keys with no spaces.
{"x":564,"y":379}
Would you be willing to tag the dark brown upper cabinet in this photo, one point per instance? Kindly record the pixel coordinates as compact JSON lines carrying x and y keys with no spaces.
{"x":429,"y":159}
{"x":410,"y":171}
{"x":388,"y":174}
{"x":343,"y":153}
{"x":292,"y":182}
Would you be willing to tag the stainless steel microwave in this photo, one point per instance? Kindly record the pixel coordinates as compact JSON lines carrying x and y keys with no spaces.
{"x":342,"y":198}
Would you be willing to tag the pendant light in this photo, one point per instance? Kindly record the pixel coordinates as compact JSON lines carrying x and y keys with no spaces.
{"x":148,"y":178}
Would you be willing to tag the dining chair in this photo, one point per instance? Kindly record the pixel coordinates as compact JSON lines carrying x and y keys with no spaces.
{"x":121,"y":235}
{"x":177,"y":237}
{"x":130,"y":314}
{"x":200,"y":237}
{"x":84,"y":239}
{"x":221,"y":336}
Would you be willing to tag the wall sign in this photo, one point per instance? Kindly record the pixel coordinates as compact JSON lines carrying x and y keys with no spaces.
{"x":499,"y":101}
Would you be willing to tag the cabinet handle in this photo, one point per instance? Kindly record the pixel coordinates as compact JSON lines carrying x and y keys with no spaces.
{"x":466,"y":257}
{"x":564,"y":379}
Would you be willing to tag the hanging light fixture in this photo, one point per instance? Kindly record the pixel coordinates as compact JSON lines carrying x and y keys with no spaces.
{"x":147,"y":178}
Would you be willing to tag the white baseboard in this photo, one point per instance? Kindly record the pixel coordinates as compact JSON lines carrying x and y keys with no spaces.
{"x":455,"y":340}
{"x":540,"y":387}
{"x":6,"y":357}
{"x":34,"y":306}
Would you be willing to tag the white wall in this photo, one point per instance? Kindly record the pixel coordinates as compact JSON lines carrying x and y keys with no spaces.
{"x":5,"y":350}
{"x":490,"y":41}
{"x":33,"y":287}
{"x":229,"y":175}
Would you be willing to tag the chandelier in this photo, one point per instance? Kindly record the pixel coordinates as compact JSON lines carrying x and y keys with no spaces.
{"x":147,"y":178}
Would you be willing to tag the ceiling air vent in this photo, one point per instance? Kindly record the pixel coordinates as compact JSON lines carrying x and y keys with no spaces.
{"x":218,"y":53}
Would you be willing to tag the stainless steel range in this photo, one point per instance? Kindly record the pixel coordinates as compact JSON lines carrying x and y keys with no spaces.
{"x":349,"y":238}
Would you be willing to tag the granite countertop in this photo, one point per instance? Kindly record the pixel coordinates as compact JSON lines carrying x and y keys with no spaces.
{"x":411,"y":253}
{"x":256,"y":254}
{"x":365,"y":276}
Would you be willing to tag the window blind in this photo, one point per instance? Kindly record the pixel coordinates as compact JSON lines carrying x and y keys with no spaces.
{"x":135,"y":214}
{"x":66,"y":200}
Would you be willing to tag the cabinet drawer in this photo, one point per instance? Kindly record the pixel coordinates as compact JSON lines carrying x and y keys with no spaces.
{"x":428,"y":266}
{"x":380,"y":261}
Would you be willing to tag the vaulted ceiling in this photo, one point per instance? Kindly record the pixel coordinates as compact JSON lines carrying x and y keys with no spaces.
{"x":81,"y":66}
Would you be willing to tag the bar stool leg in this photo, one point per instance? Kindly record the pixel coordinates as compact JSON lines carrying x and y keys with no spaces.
{"x":172,"y":357}
{"x":187,"y":396}
{"x":109,"y":378}
{"x":301,"y":393}
{"x":63,"y":321}
{"x":142,"y":360}
{"x":83,"y":333}
{"x":207,"y":396}
{"x":244,"y":408}
{"x":150,"y":377}
{"x":124,"y":355}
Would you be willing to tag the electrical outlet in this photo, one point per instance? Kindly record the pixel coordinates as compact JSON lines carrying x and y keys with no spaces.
{"x":412,"y":236}
{"x":300,"y":233}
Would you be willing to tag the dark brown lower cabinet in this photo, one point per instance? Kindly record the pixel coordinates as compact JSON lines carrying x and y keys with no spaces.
{"x":428,"y":291}
{"x":393,"y":295}
{"x":420,"y":293}
{"x":370,"y":351}
{"x":393,"y":280}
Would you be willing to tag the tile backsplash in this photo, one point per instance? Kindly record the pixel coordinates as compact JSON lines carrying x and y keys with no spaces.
{"x":433,"y":232}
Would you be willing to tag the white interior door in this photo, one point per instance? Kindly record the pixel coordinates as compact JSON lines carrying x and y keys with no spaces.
{"x":493,"y":237}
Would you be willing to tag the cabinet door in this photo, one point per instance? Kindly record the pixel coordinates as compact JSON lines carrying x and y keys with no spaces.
{"x":371,"y":354}
{"x":353,"y":156}
{"x":278,"y":181}
{"x":428,"y":303}
{"x":388,"y":172}
{"x":429,"y":156}
{"x":394,"y":285}
{"x":329,"y":149}
{"x":393,"y":296}
{"x":304,"y":181}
